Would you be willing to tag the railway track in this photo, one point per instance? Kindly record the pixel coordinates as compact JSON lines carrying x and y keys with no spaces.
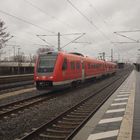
{"x":14,"y":107}
{"x":68,"y":123}
{"x":17,"y":106}
{"x":15,"y":78}
{"x":14,"y":81}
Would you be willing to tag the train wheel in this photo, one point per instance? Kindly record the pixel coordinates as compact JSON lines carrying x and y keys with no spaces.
{"x":74,"y":84}
{"x":38,"y":87}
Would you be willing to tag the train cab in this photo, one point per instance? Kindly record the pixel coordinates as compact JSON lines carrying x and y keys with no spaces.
{"x":44,"y":69}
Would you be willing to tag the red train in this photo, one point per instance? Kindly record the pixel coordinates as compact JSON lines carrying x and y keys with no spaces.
{"x":55,"y":69}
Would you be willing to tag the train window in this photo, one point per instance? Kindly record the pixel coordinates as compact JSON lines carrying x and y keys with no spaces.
{"x":64,"y":66}
{"x":95,"y":66}
{"x":91,"y":66}
{"x":46,"y":63}
{"x":72,"y":64}
{"x":88,"y":65}
{"x":77,"y":65}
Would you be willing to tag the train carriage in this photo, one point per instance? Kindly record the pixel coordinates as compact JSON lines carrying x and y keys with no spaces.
{"x":55,"y":69}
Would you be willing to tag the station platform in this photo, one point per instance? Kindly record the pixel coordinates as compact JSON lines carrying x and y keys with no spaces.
{"x":119,"y":117}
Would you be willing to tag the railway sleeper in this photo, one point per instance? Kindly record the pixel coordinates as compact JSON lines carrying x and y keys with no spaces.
{"x":18,"y":105}
{"x":9,"y":107}
{"x":68,"y":123}
{"x":86,"y":109}
{"x":83,"y":111}
{"x":50,"y":133}
{"x":73,"y":119}
{"x":86,"y":106}
{"x":1,"y":112}
{"x":75,"y":116}
{"x":52,"y":136}
{"x":58,"y":131}
{"x":6,"y":109}
{"x":62,"y":126}
{"x":79,"y":113}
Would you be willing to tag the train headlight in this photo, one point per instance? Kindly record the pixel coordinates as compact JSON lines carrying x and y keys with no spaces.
{"x":37,"y":77}
{"x":43,"y":77}
{"x":51,"y":77}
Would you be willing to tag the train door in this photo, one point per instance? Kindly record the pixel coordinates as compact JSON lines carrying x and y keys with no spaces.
{"x":65,"y":69}
{"x":83,"y":71}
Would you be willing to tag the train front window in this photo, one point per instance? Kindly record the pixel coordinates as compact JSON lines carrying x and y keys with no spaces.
{"x":46,"y":63}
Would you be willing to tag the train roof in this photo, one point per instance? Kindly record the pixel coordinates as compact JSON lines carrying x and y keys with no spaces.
{"x":93,"y":58}
{"x":75,"y":53}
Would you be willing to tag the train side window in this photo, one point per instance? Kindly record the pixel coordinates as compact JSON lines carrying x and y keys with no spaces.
{"x":72,"y":64}
{"x":64,"y":66}
{"x":78,"y":65}
{"x":88,"y":65}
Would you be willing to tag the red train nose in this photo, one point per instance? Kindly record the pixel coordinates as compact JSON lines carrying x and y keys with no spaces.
{"x":42,"y":78}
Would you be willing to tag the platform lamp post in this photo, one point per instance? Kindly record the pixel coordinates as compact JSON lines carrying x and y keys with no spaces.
{"x":59,"y":41}
{"x":111,"y":55}
{"x":14,"y":52}
{"x":102,"y":56}
{"x":18,"y":61}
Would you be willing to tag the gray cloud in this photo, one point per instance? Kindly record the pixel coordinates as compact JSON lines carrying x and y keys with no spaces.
{"x":60,"y":16}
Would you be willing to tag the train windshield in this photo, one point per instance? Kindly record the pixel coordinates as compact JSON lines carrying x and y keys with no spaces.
{"x":46,"y":63}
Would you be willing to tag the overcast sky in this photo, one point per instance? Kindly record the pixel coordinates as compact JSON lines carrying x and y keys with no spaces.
{"x":98,"y":19}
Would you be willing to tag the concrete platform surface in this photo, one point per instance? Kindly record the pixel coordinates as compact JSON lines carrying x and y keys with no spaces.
{"x":119,"y":117}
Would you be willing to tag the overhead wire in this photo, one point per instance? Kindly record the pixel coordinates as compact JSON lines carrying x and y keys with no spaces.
{"x":44,"y":12}
{"x":25,"y":21}
{"x":126,"y":37}
{"x":38,"y":8}
{"x":90,"y":21}
{"x":127,"y":31}
{"x":45,"y":41}
{"x":28,"y":22}
{"x":99,"y":14}
{"x":101,"y":17}
{"x":63,"y":34}
{"x":73,"y":40}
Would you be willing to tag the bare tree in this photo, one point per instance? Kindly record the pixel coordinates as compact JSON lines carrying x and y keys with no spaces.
{"x":32,"y":58}
{"x":4,"y":36}
{"x":20,"y":58}
{"x":41,"y":50}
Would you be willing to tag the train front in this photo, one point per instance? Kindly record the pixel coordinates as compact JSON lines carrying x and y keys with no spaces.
{"x":43,"y":73}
